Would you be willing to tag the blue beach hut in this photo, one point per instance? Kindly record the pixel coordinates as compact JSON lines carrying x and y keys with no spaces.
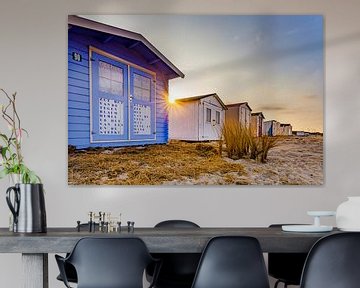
{"x":117,"y":87}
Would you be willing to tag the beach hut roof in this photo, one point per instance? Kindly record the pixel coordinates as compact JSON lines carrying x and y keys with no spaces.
{"x":239,"y":104}
{"x":258,"y":114}
{"x":195,"y":98}
{"x":271,"y":121}
{"x":137,"y":42}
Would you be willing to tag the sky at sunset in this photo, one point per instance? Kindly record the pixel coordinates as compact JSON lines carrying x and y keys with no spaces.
{"x":275,"y":63}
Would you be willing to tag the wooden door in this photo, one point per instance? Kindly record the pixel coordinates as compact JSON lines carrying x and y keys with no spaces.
{"x":109,"y":99}
{"x":142,"y":105}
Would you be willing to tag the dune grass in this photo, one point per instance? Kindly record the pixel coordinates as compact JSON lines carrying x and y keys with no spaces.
{"x":175,"y":162}
{"x":240,"y":142}
{"x":266,"y":143}
{"x":236,"y":139}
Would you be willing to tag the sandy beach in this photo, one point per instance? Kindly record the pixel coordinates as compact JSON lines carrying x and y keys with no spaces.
{"x":294,"y":161}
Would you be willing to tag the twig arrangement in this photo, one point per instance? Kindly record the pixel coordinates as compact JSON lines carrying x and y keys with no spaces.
{"x":12,"y":161}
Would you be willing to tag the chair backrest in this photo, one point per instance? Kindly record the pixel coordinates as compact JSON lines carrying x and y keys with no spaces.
{"x":333,"y":262}
{"x":110,"y":262}
{"x":286,"y":266}
{"x":232,"y":262}
{"x":176,"y":224}
{"x":178,"y":269}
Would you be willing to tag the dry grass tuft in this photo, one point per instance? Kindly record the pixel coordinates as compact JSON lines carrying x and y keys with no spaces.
{"x":236,"y":138}
{"x":241,"y":143}
{"x":150,"y":165}
{"x":206,"y":150}
{"x":267,"y":143}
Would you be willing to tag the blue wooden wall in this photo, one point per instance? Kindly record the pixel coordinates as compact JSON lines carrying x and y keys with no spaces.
{"x":79,"y":92}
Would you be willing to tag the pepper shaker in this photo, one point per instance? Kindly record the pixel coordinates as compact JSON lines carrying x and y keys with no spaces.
{"x":90,"y":221}
{"x":78,"y":226}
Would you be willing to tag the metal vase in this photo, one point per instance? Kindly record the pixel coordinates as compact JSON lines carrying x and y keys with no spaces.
{"x":27,"y":204}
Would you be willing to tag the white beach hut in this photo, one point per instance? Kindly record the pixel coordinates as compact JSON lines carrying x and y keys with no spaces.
{"x":299,"y":133}
{"x":272,"y":128}
{"x":197,"y":118}
{"x":286,"y":129}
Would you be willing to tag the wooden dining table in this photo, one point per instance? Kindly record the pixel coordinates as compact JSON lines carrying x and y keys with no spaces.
{"x":35,"y":247}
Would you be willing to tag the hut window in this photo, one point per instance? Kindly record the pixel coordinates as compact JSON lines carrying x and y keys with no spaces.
{"x":217,"y":117}
{"x":111,"y":79}
{"x":111,"y":117}
{"x":142,"y":87}
{"x":142,"y":119}
{"x":208,"y":115}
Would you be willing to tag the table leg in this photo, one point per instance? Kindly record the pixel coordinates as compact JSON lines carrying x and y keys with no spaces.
{"x":35,"y":270}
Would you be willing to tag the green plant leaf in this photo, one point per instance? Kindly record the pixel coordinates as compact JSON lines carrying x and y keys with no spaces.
{"x":3,"y":173}
{"x":4,"y":151}
{"x":28,"y":176}
{"x":26,"y":132}
{"x":4,"y":137}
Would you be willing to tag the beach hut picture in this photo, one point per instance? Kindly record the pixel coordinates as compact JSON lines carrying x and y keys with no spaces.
{"x":133,"y":120}
{"x":257,"y":124}
{"x":117,"y":87}
{"x":239,"y":112}
{"x":197,"y":118}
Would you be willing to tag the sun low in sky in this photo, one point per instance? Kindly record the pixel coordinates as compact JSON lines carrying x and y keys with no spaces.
{"x":275,"y":62}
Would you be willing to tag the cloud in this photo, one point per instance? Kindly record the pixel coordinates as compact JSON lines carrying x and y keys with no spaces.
{"x":272,"y":108}
{"x":311,"y":96}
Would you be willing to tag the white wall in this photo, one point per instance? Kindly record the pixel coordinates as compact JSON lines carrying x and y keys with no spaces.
{"x":33,"y":62}
{"x":184,"y":121}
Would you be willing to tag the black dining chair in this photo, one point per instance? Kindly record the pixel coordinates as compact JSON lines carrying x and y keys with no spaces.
{"x":70,"y":271}
{"x":232,"y":262}
{"x":333,"y":262}
{"x":178,"y":269}
{"x":108,"y":263}
{"x":286,"y":267}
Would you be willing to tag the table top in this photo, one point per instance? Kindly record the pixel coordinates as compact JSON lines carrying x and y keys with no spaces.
{"x":158,"y":240}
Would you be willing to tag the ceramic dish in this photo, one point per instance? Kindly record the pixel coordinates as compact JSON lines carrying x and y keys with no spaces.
{"x":321,"y":213}
{"x":306,"y":228}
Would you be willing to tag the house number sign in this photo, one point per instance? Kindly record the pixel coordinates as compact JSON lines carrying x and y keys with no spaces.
{"x":76,"y":56}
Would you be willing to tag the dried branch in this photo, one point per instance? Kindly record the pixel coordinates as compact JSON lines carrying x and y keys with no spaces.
{"x":12,"y":159}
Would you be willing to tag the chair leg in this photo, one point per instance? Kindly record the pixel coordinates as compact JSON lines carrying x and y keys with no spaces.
{"x":279,"y":281}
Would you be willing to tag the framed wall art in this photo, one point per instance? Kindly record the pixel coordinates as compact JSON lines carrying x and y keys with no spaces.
{"x":195,"y":100}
